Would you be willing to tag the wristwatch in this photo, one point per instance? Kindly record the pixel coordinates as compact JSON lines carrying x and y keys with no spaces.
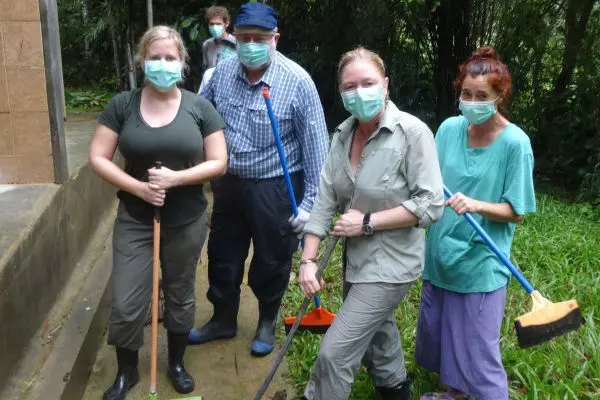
{"x":367,"y":228}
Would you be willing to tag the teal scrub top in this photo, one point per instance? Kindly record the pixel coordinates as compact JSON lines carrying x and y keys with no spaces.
{"x":456,"y":258}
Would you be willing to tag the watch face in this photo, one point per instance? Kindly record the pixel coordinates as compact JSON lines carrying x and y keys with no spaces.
{"x":367,"y":229}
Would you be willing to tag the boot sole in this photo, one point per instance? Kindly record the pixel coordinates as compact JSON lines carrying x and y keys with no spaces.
{"x":129,"y":387}
{"x":260,"y":354}
{"x":179,"y":390}
{"x":212,"y":339}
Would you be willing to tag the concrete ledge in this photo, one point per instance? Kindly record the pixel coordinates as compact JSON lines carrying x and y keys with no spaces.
{"x":37,"y":263}
{"x":67,"y":368}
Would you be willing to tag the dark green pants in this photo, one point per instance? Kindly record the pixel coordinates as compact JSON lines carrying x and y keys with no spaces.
{"x":132,"y":277}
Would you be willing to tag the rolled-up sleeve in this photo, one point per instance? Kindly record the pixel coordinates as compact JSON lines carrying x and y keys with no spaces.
{"x":326,"y":203}
{"x":423,"y":176}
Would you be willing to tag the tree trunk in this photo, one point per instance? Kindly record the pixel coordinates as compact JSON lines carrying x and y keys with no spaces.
{"x":116,"y":59}
{"x":150,"y":13}
{"x":131,"y":47}
{"x":130,"y":67}
{"x":576,"y":19}
{"x":85,"y":18}
{"x":578,"y":14}
{"x":451,"y":26}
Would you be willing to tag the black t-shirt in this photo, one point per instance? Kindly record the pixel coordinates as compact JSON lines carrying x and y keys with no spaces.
{"x":178,"y":145}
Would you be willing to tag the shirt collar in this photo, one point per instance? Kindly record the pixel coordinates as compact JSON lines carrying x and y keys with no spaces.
{"x":269,"y":75}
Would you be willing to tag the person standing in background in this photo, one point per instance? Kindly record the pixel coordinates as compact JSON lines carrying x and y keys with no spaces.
{"x":228,"y":50}
{"x":221,"y":42}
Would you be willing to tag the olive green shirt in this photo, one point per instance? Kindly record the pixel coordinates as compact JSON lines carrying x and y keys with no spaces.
{"x":398,"y":166}
{"x":178,"y":145}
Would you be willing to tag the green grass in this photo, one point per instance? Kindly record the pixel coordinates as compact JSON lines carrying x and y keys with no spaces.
{"x":558,"y":248}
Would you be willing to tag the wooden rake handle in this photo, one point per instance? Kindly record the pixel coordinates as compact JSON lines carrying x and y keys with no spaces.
{"x":155,"y":280}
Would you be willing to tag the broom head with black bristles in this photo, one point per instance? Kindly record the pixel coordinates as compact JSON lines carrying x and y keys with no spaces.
{"x":547,"y":320}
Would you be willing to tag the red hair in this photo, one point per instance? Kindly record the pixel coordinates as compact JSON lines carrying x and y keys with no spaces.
{"x":485,"y":61}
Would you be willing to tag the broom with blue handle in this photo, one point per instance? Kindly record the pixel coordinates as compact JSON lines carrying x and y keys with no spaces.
{"x":546,"y":320}
{"x":319,"y":320}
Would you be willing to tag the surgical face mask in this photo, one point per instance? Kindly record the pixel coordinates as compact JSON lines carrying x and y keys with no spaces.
{"x":225,"y":53}
{"x":163,"y":75}
{"x":364,"y":103}
{"x":254,"y":55}
{"x":216,"y":30}
{"x":477,"y":112}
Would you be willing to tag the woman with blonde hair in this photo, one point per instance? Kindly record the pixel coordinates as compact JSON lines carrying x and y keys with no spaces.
{"x":159,"y":122}
{"x":382,"y":176}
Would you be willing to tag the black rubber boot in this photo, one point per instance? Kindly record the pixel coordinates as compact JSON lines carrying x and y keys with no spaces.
{"x":400,"y":392}
{"x":264,"y":341}
{"x":127,"y":375}
{"x":182,"y":381}
{"x":222,"y":325}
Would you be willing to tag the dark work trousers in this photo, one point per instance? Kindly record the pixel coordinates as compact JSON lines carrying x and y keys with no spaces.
{"x":132,"y":277}
{"x":254,"y":210}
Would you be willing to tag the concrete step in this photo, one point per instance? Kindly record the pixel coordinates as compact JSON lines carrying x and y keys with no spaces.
{"x":59,"y":359}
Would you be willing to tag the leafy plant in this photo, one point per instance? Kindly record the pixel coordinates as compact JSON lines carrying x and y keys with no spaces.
{"x":86,"y":99}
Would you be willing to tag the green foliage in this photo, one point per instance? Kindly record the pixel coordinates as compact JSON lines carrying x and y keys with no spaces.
{"x":85,"y":100}
{"x":557,"y":248}
{"x":590,"y":186}
{"x":556,"y":78}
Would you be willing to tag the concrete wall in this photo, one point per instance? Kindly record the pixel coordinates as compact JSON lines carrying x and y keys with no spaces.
{"x":25,"y":141}
{"x":35,"y":269}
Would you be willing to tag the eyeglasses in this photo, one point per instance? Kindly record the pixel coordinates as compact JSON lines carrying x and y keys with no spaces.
{"x":253,"y":37}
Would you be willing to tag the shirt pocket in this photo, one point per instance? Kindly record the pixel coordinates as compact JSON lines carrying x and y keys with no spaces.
{"x":260,"y":132}
{"x":382,"y":178}
{"x":230,"y":108}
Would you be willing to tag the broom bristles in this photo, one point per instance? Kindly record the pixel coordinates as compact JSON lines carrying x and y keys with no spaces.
{"x":546,"y":321}
{"x":316,"y":329}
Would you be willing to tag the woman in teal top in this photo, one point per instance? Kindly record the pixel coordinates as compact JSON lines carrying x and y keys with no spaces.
{"x":488,"y":162}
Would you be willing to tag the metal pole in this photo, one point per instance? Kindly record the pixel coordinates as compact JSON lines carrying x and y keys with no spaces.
{"x":54,"y":87}
{"x":150,"y":14}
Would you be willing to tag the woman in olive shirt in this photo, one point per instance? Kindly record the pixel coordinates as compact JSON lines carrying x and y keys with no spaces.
{"x":159,"y":122}
{"x":382,"y":176}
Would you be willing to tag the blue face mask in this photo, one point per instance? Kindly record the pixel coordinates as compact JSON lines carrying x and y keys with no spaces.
{"x":163,"y":75}
{"x":254,"y":55}
{"x":477,"y":112}
{"x":226,"y":52}
{"x":364,"y":103}
{"x":216,"y":30}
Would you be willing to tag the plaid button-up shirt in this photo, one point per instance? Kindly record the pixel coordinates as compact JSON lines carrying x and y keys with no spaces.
{"x":250,"y":141}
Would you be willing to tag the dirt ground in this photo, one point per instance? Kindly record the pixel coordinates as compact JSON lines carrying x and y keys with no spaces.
{"x":223,"y":370}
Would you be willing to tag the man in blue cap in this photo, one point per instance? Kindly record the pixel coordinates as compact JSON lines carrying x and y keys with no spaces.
{"x":251,"y":200}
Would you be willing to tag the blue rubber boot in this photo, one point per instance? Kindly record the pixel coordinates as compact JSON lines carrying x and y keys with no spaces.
{"x":222,"y":325}
{"x":264,"y":341}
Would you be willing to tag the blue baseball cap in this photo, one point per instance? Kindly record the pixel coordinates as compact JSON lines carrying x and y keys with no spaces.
{"x":256,"y":14}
